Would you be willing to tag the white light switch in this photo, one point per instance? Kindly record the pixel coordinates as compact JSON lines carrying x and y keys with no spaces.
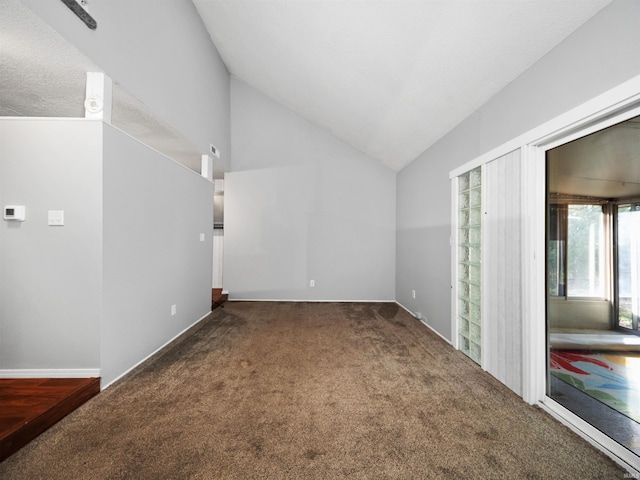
{"x":202,"y":237}
{"x":56,"y":217}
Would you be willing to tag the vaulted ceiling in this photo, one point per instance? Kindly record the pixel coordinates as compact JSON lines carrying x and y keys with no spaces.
{"x":43,"y":75}
{"x":388,"y":77}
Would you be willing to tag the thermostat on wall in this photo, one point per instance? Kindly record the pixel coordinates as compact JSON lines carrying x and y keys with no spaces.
{"x":14,"y":212}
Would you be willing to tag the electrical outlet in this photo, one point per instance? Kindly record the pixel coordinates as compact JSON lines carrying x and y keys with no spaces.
{"x":312,"y":283}
{"x":174,"y":310}
{"x":413,"y":294}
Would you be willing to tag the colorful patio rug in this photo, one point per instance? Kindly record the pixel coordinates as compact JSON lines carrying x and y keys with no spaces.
{"x":610,"y":377}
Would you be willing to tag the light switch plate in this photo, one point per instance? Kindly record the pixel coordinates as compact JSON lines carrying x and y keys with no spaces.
{"x":56,"y":218}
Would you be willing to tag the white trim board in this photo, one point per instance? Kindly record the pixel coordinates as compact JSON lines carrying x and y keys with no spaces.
{"x":155,"y":150}
{"x":617,"y":105}
{"x":50,"y":373}
{"x":288,"y":300}
{"x":533,"y":306}
{"x":103,"y":387}
{"x":534,"y":195}
{"x":455,"y":257}
{"x":424,"y":322}
{"x":594,"y":110}
{"x":595,"y":437}
{"x":52,"y":119}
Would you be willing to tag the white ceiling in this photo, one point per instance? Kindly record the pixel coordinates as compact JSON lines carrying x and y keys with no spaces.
{"x":388,"y":77}
{"x":605,"y":164}
{"x":43,"y":75}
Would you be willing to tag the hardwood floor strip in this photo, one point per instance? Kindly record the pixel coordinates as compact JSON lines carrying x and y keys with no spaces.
{"x":28,"y":407}
{"x":217,"y":298}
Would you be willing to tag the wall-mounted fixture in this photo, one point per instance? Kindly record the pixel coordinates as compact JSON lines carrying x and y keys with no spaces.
{"x":82,"y":14}
{"x":14,"y":213}
{"x":214,"y":150}
{"x":55,"y":218}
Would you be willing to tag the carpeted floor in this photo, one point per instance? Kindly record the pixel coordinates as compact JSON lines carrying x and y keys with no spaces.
{"x":297,"y":390}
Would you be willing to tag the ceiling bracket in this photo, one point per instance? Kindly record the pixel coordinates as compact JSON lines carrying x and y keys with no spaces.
{"x":81,"y":13}
{"x":98,"y":97}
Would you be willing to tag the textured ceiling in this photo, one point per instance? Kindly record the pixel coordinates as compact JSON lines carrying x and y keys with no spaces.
{"x":605,"y":164}
{"x":43,"y":75}
{"x":388,"y":77}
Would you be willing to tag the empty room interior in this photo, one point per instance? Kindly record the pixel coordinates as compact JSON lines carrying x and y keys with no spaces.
{"x":454,"y":183}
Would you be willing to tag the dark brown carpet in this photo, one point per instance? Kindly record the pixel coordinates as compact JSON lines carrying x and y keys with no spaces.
{"x":298,"y":390}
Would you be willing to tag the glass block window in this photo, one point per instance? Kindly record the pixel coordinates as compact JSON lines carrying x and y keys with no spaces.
{"x":469,"y":254}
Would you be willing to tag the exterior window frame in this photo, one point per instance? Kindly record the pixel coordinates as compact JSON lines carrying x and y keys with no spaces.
{"x":606,"y":249}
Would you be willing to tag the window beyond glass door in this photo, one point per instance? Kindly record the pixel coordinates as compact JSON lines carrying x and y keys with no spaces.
{"x":628,"y":265}
{"x":585,"y":251}
{"x":576,"y":256}
{"x":557,"y":250}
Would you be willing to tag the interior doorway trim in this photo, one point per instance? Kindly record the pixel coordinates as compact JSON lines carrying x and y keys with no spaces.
{"x":580,"y":123}
{"x":615,"y":106}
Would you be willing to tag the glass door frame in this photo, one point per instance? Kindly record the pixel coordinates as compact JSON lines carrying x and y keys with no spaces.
{"x":535,"y":375}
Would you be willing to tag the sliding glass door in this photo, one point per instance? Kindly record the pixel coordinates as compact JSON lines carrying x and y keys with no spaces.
{"x":593,"y":280}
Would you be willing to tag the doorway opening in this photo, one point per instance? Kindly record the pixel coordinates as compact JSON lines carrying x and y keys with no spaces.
{"x":592,"y":279}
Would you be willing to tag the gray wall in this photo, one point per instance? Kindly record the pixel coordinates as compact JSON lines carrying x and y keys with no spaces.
{"x":302,"y":205}
{"x":51,"y":277}
{"x":597,"y":57}
{"x":162,"y":54}
{"x":154,"y":213}
{"x":97,"y":292}
{"x":565,"y":313}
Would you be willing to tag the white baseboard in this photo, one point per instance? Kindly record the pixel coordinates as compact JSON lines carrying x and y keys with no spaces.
{"x":103,"y":387}
{"x":306,"y":301}
{"x":50,"y":373}
{"x":424,"y":322}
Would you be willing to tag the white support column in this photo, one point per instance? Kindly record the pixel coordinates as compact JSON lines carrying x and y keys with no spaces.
{"x":206,"y":169}
{"x":453,"y":244}
{"x":98,"y":95}
{"x":533,"y":274}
